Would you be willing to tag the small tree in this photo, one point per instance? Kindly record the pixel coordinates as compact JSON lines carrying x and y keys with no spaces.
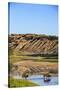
{"x":25,"y":74}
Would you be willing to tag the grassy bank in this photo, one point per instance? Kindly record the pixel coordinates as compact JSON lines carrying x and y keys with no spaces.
{"x":22,"y":56}
{"x":20,"y":83}
{"x":14,"y":58}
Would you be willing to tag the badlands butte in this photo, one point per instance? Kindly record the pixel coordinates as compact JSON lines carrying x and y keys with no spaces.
{"x":34,"y":53}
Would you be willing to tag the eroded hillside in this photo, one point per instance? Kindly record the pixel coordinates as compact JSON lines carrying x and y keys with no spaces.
{"x":39,"y":44}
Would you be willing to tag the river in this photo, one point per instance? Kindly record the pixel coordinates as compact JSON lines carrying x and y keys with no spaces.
{"x":39,"y":79}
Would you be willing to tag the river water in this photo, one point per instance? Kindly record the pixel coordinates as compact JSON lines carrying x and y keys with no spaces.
{"x":39,"y":79}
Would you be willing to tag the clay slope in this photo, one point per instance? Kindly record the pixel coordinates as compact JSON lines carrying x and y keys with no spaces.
{"x":35,"y":67}
{"x":39,"y":44}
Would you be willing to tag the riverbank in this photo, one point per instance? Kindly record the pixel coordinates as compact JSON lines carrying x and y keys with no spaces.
{"x":20,"y":83}
{"x":26,"y":70}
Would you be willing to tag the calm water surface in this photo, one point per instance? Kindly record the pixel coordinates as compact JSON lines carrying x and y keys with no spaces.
{"x":39,"y":79}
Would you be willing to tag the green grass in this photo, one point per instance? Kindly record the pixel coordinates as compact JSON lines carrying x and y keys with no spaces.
{"x":21,"y":56}
{"x":15,"y":58}
{"x":20,"y":83}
